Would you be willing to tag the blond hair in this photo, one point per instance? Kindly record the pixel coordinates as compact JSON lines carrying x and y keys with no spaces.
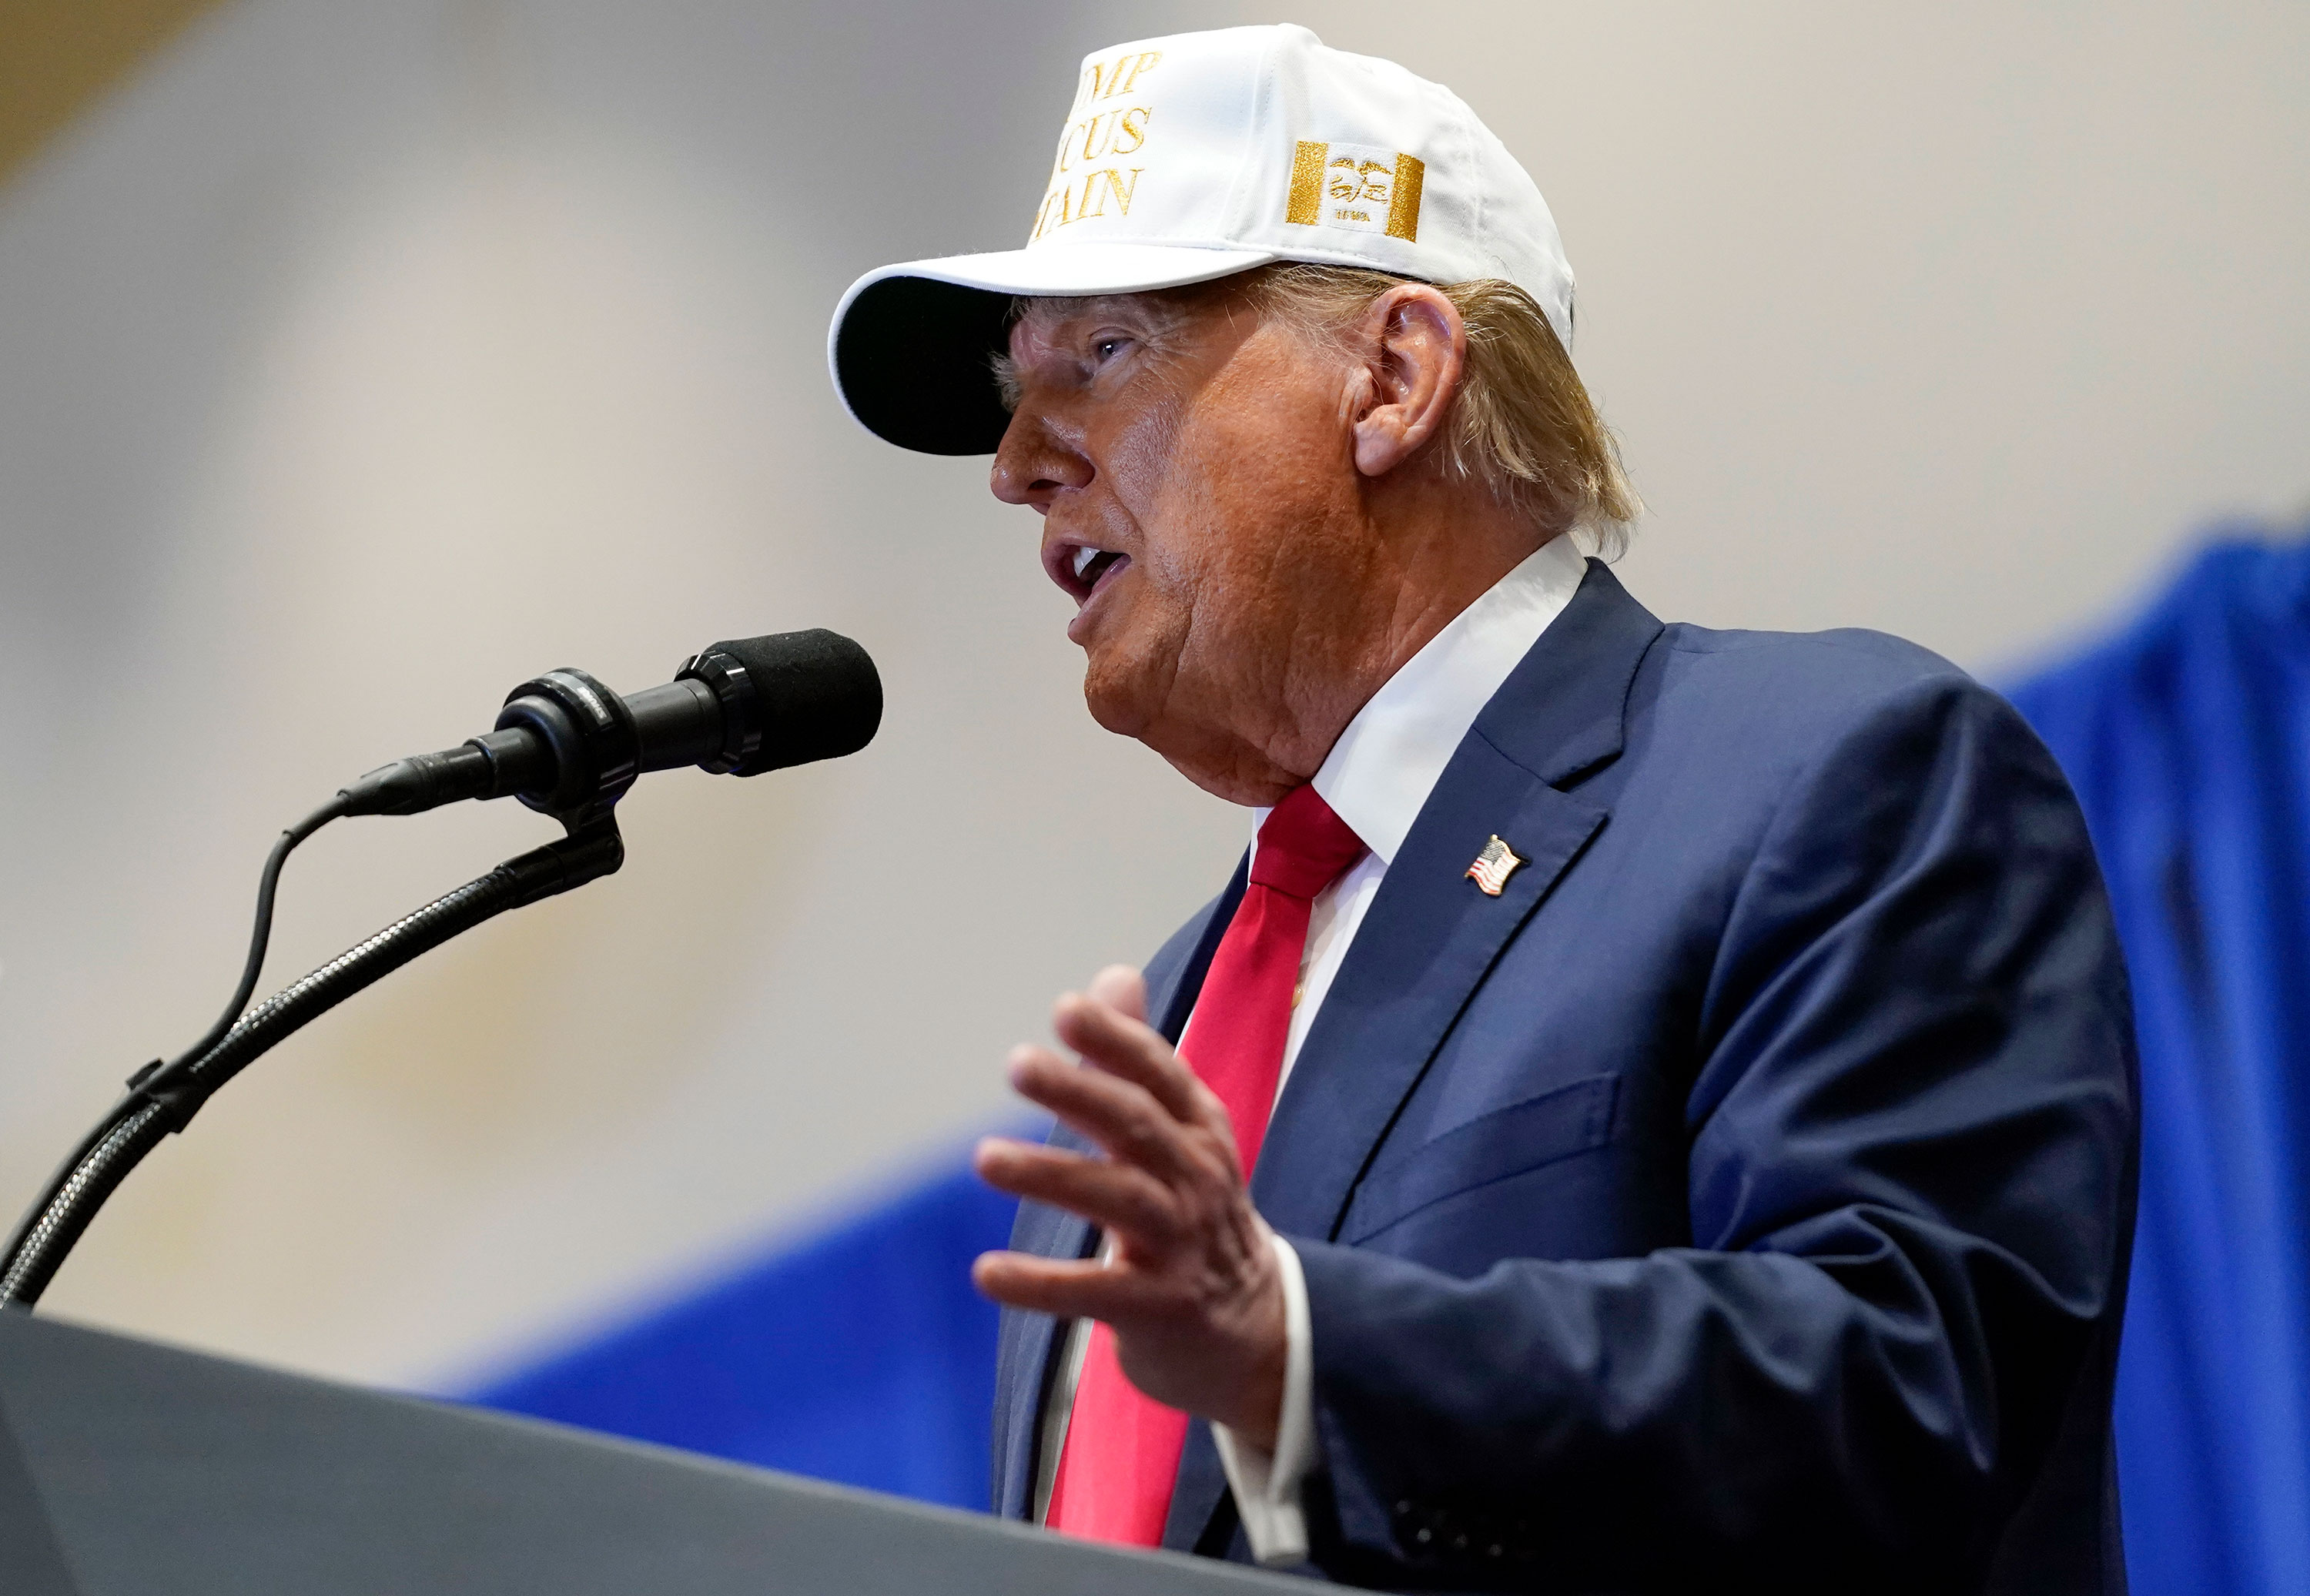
{"x":1523,"y":423}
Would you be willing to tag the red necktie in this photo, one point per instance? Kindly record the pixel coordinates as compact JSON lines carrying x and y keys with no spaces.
{"x":1120,"y":1455}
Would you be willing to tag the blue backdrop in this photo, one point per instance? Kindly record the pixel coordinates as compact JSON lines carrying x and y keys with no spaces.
{"x":2188,"y":738}
{"x":864,"y":1355}
{"x":861,"y":1355}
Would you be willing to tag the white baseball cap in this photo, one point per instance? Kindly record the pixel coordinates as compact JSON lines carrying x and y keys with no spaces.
{"x":1190,"y":158}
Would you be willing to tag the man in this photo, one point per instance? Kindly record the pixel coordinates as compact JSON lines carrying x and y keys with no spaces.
{"x":1654,"y":1109}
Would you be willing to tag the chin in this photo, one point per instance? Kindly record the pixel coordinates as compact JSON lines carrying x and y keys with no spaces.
{"x":1126,"y":680}
{"x":1118,"y":705}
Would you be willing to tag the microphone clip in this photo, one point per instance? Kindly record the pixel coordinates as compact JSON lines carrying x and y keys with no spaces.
{"x":596,"y":747}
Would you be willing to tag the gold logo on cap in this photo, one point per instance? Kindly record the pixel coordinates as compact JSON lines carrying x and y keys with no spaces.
{"x":1350,"y":185}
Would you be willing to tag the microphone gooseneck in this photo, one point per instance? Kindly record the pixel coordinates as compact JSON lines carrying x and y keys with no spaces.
{"x":566,"y":746}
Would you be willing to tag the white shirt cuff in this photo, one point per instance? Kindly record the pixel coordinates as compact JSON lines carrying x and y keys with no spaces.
{"x":1268,"y":1485}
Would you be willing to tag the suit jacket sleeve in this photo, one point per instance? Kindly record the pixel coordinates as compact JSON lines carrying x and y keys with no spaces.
{"x":1910,"y":1124}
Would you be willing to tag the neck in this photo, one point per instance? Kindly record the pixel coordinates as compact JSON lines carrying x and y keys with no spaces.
{"x":1423,"y":558}
{"x":1442,"y":553}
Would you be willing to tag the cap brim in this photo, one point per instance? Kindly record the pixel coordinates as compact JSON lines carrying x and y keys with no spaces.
{"x":912,"y":345}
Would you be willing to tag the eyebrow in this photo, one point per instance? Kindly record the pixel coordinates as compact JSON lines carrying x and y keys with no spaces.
{"x":1006,"y":380}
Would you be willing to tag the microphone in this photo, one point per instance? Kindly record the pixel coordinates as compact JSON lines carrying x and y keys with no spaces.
{"x":569,"y":747}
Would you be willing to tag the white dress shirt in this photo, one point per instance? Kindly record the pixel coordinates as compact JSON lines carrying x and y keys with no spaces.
{"x":1376,"y":778}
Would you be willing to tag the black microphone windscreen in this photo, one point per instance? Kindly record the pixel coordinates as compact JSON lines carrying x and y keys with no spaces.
{"x":817,"y":693}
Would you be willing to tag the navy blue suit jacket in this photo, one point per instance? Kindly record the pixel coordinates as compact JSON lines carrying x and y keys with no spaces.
{"x":1745,"y":1193}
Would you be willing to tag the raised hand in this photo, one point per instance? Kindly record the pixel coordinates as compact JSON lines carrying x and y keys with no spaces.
{"x":1189,"y":1280}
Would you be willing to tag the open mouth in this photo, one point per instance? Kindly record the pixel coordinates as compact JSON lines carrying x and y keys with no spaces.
{"x":1091,"y":564}
{"x":1083,"y":569}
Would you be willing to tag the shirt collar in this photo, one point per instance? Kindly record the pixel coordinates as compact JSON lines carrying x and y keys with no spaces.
{"x":1379,"y":773}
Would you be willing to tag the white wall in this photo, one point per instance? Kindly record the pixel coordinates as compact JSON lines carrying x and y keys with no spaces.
{"x":359,"y":361}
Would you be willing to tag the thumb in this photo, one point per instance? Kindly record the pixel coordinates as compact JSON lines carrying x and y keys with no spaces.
{"x":1119,"y":987}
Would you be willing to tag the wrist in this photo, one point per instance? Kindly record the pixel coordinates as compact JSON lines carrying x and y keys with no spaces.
{"x":1269,"y":1483}
{"x":1257,"y":1411}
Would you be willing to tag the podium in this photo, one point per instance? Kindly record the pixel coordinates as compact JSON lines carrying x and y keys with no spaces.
{"x":128,"y":1469}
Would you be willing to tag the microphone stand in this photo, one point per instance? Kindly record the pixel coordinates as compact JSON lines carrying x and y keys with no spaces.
{"x":566,"y":746}
{"x":161,"y":1100}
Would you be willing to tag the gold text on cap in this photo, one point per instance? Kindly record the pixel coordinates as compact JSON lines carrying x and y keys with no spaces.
{"x":1493,"y":866}
{"x":1103,"y":131}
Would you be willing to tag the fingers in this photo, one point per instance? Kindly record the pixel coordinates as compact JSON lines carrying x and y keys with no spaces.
{"x":1123,"y":989}
{"x":1116,"y":1197}
{"x":1122,"y":1116}
{"x":1068,"y":1288}
{"x":1189,"y":1281}
{"x":1126,"y":1047}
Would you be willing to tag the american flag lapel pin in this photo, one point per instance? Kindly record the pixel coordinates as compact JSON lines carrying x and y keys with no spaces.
{"x":1493,"y":866}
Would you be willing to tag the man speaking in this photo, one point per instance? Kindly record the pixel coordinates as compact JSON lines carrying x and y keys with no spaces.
{"x":1654,"y":1109}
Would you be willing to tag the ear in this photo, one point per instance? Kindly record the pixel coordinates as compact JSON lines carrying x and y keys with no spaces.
{"x":1415,"y":350}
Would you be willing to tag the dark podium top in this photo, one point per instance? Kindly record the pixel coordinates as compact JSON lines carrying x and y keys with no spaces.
{"x":128,"y":1468}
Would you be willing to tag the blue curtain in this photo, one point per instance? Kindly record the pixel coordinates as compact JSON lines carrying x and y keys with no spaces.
{"x":862,"y":1355}
{"x":2188,"y":738}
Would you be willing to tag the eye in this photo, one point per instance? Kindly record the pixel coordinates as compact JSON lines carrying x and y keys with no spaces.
{"x":1106,"y":346}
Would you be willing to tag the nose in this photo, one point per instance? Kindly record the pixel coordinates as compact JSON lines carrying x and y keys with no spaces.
{"x":1034,"y":463}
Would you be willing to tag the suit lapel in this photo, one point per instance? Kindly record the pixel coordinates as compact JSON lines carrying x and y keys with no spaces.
{"x":1028,"y":1341}
{"x":1171,"y":993}
{"x":1171,"y":999}
{"x":1431,"y":935}
{"x":1423,"y":948}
